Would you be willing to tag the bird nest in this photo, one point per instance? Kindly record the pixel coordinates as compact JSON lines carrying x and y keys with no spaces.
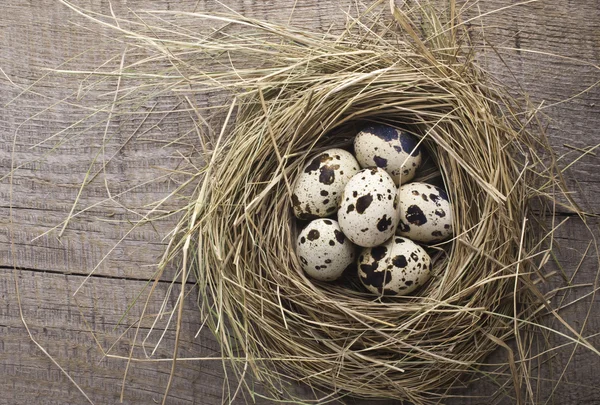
{"x":337,"y":337}
{"x":295,"y":93}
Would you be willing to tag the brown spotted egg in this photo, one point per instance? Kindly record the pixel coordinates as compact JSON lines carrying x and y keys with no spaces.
{"x":323,"y":250}
{"x":396,"y":268}
{"x":425,"y":213}
{"x":368,"y":211}
{"x":395,"y":151}
{"x":319,"y":186}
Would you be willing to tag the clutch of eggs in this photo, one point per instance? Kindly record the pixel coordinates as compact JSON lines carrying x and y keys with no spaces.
{"x":372,"y":213}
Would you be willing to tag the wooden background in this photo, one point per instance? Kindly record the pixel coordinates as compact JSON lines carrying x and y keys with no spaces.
{"x":42,"y":34}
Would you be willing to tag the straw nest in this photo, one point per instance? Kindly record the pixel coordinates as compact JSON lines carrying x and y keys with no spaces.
{"x":297,"y":92}
{"x":337,"y":337}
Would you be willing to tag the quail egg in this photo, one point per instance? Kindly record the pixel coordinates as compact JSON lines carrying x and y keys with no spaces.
{"x":425,"y":213}
{"x":368,"y":211}
{"x":324,"y":251}
{"x":398,"y":267}
{"x":319,"y":186}
{"x":395,"y":151}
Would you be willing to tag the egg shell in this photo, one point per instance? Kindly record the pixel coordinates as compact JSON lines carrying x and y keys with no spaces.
{"x":395,"y":151}
{"x":425,"y":213}
{"x":318,"y":189}
{"x":368,"y":212}
{"x":324,"y":251}
{"x":398,"y":267}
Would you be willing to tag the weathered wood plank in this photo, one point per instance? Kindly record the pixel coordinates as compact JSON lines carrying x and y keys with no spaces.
{"x":39,"y":35}
{"x":550,"y":51}
{"x":63,"y":325}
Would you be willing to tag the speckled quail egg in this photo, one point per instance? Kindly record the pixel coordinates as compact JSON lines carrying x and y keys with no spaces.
{"x":319,"y":186}
{"x":395,"y":151}
{"x":425,"y":213}
{"x":368,"y":211}
{"x":396,"y":268}
{"x":323,"y":250}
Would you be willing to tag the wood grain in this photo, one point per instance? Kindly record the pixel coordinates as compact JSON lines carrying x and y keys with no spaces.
{"x":71,"y":328}
{"x":38,"y":196}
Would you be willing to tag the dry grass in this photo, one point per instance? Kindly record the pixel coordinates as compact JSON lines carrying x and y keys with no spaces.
{"x":296,"y":92}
